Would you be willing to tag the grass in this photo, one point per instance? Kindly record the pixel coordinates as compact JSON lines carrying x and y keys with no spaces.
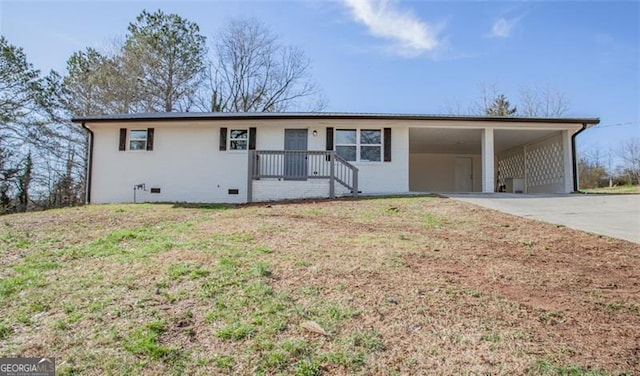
{"x":546,"y":368}
{"x":621,"y":189}
{"x":399,"y":284}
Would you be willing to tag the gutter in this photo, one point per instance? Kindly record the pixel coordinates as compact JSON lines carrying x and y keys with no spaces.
{"x":574,"y":157}
{"x":89,"y":164}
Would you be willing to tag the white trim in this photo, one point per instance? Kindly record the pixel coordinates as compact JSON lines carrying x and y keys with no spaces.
{"x":229,"y":139}
{"x":130,"y":139}
{"x":358,"y":144}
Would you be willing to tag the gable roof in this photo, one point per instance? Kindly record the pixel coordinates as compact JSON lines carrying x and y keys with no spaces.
{"x":178,"y":116}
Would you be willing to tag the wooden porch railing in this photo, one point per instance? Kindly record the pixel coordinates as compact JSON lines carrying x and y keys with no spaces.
{"x":302,"y":165}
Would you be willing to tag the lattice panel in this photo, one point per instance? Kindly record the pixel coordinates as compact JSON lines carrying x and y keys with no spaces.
{"x":511,"y":166}
{"x":544,"y":163}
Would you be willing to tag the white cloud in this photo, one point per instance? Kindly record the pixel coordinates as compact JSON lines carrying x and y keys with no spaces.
{"x":410,"y":35}
{"x":502,"y":27}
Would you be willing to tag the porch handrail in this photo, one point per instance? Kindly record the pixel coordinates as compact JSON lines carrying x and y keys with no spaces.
{"x":345,"y":173}
{"x":302,"y":165}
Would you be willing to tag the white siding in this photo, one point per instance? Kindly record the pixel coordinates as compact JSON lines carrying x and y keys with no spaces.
{"x":374,"y":177}
{"x":387,"y":177}
{"x":272,"y":190}
{"x":187,"y":166}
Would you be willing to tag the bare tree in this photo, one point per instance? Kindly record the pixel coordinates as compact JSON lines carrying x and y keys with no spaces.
{"x":253,"y":72}
{"x":592,"y":172}
{"x":535,"y":101}
{"x":542,"y":102}
{"x":488,"y":93}
{"x":629,"y":153}
{"x":455,"y":107}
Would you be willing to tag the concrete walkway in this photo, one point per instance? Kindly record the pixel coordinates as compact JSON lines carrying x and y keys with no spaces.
{"x":617,"y":216}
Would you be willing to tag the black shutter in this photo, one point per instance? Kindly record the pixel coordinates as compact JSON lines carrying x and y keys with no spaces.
{"x":150,"y":139}
{"x":123,"y":139}
{"x":387,"y":144}
{"x":329,"y":138}
{"x":223,"y":139}
{"x":252,"y":139}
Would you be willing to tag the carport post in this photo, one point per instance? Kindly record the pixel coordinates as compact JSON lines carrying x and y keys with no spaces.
{"x":567,"y":158}
{"x":488,"y":177}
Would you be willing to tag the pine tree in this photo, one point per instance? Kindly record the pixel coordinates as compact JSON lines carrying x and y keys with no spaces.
{"x":169,"y":54}
{"x":501,"y":107}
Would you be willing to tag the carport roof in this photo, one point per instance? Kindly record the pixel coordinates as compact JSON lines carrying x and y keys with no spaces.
{"x":177,"y":116}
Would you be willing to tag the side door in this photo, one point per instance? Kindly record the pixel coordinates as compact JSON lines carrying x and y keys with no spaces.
{"x":464,"y":174}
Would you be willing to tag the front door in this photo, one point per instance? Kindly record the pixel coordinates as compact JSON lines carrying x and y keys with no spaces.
{"x":295,"y":164}
{"x":464,"y":175}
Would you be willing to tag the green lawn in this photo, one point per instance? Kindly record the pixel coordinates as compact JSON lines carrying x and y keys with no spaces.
{"x":400,"y":285}
{"x":622,"y":189}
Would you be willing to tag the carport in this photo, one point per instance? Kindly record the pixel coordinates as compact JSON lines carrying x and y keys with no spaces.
{"x":514,"y":155}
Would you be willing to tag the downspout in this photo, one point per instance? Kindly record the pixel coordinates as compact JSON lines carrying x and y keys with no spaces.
{"x":89,"y":164}
{"x":574,"y":158}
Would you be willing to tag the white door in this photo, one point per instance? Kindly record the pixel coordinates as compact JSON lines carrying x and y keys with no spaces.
{"x":464,"y":174}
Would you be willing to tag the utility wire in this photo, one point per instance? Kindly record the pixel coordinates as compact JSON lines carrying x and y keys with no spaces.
{"x":616,"y":124}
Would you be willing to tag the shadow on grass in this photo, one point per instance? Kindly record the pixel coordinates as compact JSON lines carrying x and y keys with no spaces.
{"x":338,"y":199}
{"x":220,"y":206}
{"x":204,"y":206}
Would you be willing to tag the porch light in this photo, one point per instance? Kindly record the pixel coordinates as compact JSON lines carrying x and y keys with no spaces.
{"x":315,"y":133}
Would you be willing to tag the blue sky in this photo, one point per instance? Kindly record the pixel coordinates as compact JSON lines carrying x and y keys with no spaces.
{"x":400,"y":56}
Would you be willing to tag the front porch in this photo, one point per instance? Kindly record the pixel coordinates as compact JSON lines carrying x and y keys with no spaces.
{"x":298,"y":174}
{"x":436,"y":160}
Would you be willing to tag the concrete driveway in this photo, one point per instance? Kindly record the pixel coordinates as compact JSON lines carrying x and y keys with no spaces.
{"x":617,"y":216}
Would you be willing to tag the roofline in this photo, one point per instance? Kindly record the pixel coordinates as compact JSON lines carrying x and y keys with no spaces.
{"x":181,"y":116}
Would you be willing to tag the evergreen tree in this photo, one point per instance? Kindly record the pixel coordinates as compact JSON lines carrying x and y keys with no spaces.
{"x":22,"y":93}
{"x":169,"y":53}
{"x":501,"y":107}
{"x":8,"y":175}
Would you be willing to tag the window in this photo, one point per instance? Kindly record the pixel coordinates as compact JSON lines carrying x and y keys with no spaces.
{"x":346,"y":144}
{"x":238,"y":139}
{"x":364,"y":145}
{"x":370,"y":145}
{"x":138,"y":140}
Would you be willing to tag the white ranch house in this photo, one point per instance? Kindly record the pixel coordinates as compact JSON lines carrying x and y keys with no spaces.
{"x":249,"y":157}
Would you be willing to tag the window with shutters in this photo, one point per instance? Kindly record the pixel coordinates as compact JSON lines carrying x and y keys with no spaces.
{"x":359,"y":145}
{"x":138,"y":140}
{"x":238,"y":139}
